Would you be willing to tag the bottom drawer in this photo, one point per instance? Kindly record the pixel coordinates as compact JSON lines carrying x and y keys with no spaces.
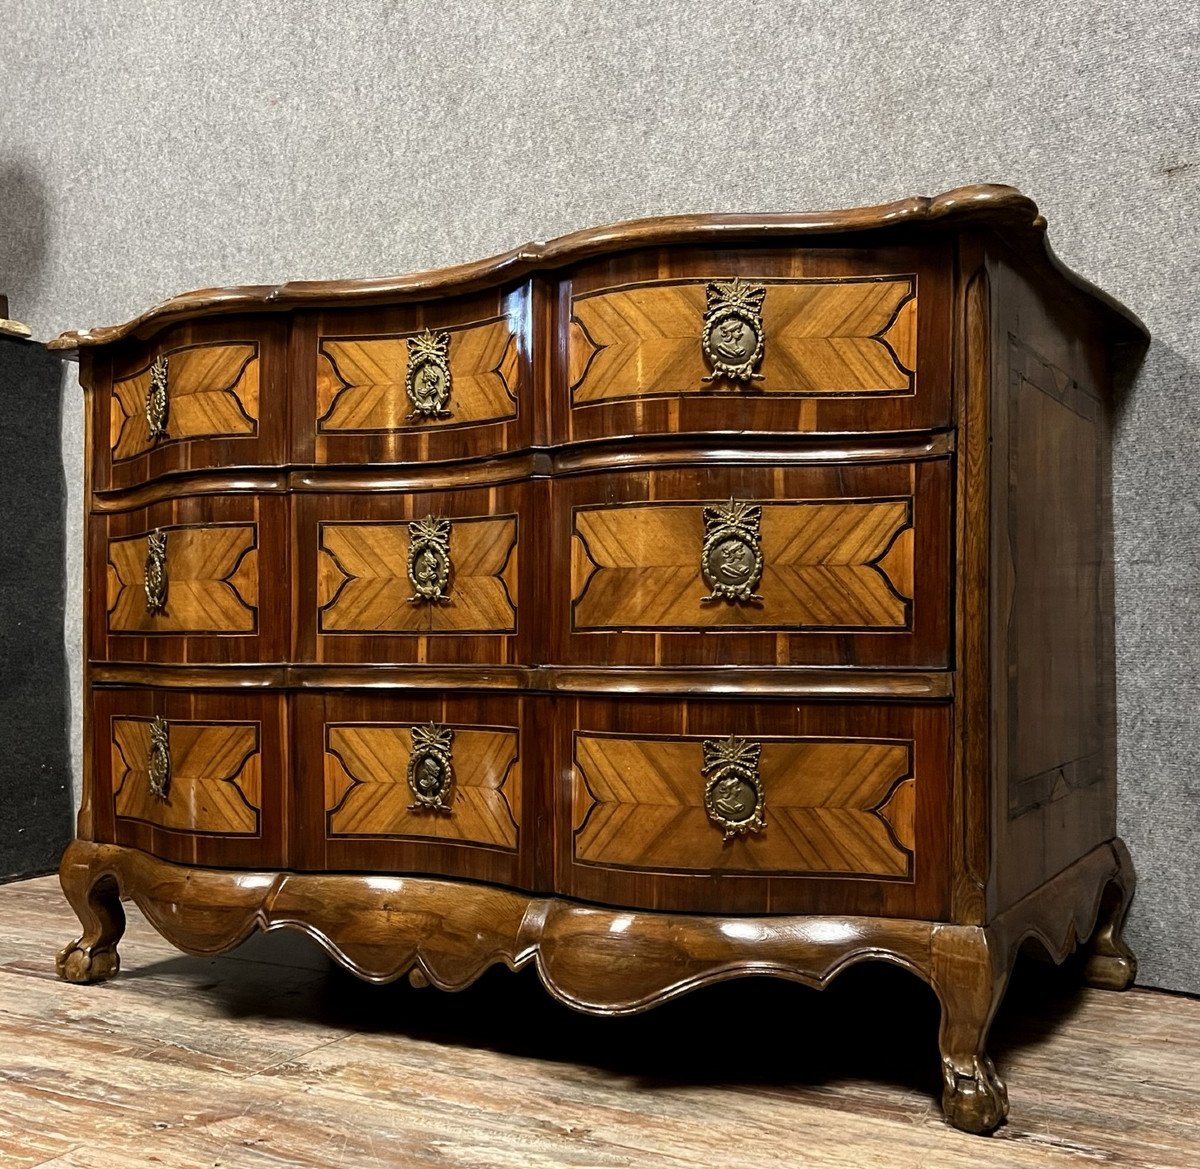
{"x":419,"y":783}
{"x":195,"y":778}
{"x":755,"y":807}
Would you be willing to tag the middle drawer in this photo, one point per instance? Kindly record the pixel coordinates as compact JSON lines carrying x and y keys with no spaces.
{"x":751,"y":565}
{"x":421,"y":578}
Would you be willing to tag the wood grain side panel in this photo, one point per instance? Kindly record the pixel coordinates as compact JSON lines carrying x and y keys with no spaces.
{"x":226,"y":802}
{"x":367,"y":791}
{"x":831,"y":807}
{"x":215,"y":783}
{"x":361,"y":381}
{"x":212,"y":392}
{"x":638,"y":567}
{"x":353,"y":801}
{"x":1055,"y":475}
{"x":1053,"y":680}
{"x":972,"y":836}
{"x":856,"y":800}
{"x":847,"y":336}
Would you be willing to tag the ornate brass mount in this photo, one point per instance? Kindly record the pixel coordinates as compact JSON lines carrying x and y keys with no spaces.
{"x":428,"y":380}
{"x":430,"y":768}
{"x":156,"y":572}
{"x":733,"y":339}
{"x":731,"y":559}
{"x":429,"y":560}
{"x":733,"y":797}
{"x":157,"y":402}
{"x":158,"y":762}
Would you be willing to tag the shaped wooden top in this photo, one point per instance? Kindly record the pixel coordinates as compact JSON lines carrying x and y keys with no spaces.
{"x":993,"y":206}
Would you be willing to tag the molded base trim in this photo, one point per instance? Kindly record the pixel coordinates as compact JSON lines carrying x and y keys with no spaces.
{"x":601,"y":960}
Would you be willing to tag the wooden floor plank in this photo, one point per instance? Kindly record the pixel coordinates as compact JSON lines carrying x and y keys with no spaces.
{"x":270,"y":1057}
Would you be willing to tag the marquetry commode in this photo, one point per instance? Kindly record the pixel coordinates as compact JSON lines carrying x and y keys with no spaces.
{"x":693,"y":597}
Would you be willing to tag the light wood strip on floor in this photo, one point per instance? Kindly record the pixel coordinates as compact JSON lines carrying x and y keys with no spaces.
{"x":269,"y":1058}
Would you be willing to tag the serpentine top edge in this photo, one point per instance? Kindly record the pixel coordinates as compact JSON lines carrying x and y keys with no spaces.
{"x":1001,"y":208}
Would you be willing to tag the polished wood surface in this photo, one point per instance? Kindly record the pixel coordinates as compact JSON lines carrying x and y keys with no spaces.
{"x":354,"y":594}
{"x":368,"y":793}
{"x":212,"y":581}
{"x":215,"y":776}
{"x":361,"y":382}
{"x":478,"y":576}
{"x":850,"y":792}
{"x":227,"y":562}
{"x":602,"y":961}
{"x":259,"y":1055}
{"x":211,"y":391}
{"x":349,"y":381}
{"x":355,"y":808}
{"x":837,"y":565}
{"x":226,"y":399}
{"x":986,"y":206}
{"x":1053,"y":673}
{"x":644,"y":373}
{"x":821,"y":337}
{"x":856,"y":567}
{"x":226,"y":797}
{"x":363,"y":584}
{"x":831,"y":806}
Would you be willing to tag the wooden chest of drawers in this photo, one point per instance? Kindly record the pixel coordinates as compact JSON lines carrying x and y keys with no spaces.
{"x":692,"y":597}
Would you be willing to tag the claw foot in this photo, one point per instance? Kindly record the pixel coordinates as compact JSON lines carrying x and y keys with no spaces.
{"x":80,"y":963}
{"x":1110,"y":971}
{"x":974,"y":1098}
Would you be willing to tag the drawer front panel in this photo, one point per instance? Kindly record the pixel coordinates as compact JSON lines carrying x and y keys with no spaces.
{"x":815,"y":340}
{"x":771,"y":807}
{"x":210,"y":573}
{"x":191,"y":400}
{"x":197,"y":579}
{"x":414,"y":784}
{"x":193,"y":778}
{"x":415,"y":382}
{"x":756,"y":566}
{"x":841,"y":807}
{"x":430,"y":577}
{"x":838,"y":337}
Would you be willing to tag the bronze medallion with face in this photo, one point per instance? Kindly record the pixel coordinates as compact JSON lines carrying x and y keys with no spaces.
{"x":731,"y":560}
{"x":733,"y":797}
{"x":733,"y":339}
{"x":430,"y":770}
{"x":428,"y":381}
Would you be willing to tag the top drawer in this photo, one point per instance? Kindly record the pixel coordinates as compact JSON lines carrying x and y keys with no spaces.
{"x":411,"y":383}
{"x":205,"y":394}
{"x":819,"y":340}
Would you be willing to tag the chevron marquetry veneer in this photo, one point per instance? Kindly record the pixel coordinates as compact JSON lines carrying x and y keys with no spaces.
{"x":695,"y":597}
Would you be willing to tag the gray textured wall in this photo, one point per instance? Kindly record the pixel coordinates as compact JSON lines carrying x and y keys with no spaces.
{"x":150,"y":148}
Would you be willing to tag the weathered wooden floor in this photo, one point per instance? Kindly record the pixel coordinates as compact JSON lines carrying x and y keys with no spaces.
{"x":270,"y":1057}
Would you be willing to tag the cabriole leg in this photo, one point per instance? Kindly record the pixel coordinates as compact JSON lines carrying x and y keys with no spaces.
{"x":1111,"y":964}
{"x":96,"y":899}
{"x":969,"y":977}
